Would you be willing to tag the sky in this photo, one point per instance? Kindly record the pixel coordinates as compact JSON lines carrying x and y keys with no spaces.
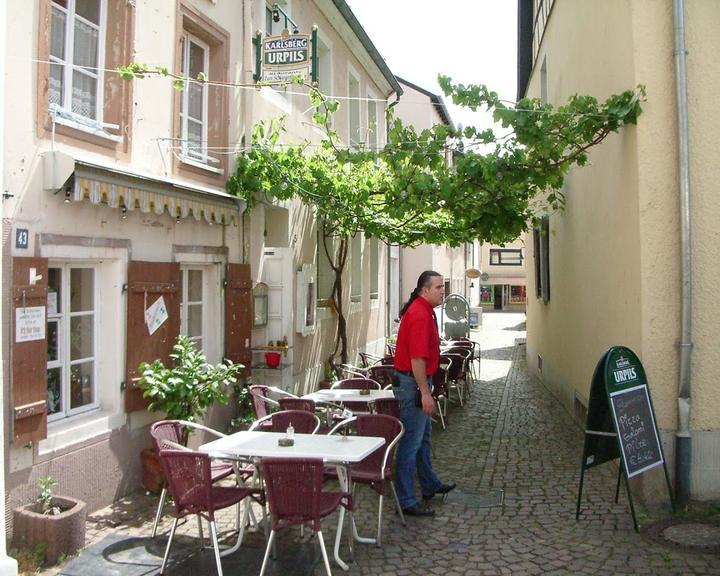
{"x":472,"y":41}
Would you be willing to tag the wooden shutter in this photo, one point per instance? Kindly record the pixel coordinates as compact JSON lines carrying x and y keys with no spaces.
{"x":29,"y":359}
{"x":147,"y":281}
{"x":238,"y":314}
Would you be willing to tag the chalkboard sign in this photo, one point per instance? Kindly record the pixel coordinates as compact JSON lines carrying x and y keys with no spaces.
{"x":632,"y":412}
{"x":621,"y":422}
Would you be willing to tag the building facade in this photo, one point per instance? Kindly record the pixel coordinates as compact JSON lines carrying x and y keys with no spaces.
{"x":118,"y":234}
{"x":609,"y":270}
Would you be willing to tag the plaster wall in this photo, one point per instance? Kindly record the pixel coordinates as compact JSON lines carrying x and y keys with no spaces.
{"x":614,"y":252}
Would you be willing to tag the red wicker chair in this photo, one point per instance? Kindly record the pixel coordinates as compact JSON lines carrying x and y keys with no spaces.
{"x":382,"y":374}
{"x":297,"y":404}
{"x":376,"y":469}
{"x":295,"y":496}
{"x":387,"y":406}
{"x":303,"y":422}
{"x":173,"y":435}
{"x":189,"y":480}
{"x":356,"y":384}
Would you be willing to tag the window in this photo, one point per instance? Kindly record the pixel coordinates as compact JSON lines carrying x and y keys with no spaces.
{"x":541,"y":248}
{"x":194,"y":108}
{"x":192,"y":311}
{"x":76,"y":59}
{"x":506,"y":256}
{"x":373,"y":135}
{"x":544,"y":80}
{"x":354,"y":130}
{"x":70,"y":340}
{"x":374,"y":268}
{"x":201,"y":110}
{"x":356,"y":267}
{"x":325,"y":70}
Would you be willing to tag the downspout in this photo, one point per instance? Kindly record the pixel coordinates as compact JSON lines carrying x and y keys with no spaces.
{"x":683,"y":438}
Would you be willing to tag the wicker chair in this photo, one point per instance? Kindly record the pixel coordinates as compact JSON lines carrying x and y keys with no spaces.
{"x":356,"y":384}
{"x":189,"y":480}
{"x":173,"y":435}
{"x":376,"y":469}
{"x":382,"y":373}
{"x":303,"y":422}
{"x":295,"y":496}
{"x":387,"y":406}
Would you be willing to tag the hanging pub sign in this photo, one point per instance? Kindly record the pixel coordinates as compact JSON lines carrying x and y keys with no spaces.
{"x":621,"y":422}
{"x":285,"y":56}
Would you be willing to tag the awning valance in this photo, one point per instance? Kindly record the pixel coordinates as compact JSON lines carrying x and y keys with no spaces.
{"x":128,"y":190}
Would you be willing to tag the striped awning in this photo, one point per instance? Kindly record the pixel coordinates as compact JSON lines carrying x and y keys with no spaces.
{"x":130,"y":198}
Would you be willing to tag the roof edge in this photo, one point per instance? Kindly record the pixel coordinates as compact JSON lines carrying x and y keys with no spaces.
{"x":434,"y":98}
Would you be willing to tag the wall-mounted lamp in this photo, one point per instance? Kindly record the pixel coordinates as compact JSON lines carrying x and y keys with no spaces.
{"x":123,"y":211}
{"x":67,"y":197}
{"x":275,"y":13}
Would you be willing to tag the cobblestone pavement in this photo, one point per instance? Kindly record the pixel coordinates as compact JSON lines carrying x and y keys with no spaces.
{"x":511,"y":436}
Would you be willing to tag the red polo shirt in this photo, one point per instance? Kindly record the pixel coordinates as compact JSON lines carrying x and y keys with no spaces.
{"x":418,"y":338}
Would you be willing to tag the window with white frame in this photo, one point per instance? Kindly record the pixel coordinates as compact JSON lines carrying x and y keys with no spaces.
{"x":194,"y":107}
{"x":71,"y":338}
{"x":354,"y":130}
{"x":373,"y":136}
{"x":324,"y":70}
{"x":356,"y":267}
{"x":374,"y":268}
{"x":506,"y":256}
{"x":192,"y":309}
{"x":77,"y":38}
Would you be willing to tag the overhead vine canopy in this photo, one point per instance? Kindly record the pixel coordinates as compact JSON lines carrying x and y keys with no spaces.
{"x":406,"y":193}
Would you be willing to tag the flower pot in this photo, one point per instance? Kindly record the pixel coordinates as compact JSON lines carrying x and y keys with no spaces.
{"x":60,"y":534}
{"x":153,"y":478}
{"x":272,"y":359}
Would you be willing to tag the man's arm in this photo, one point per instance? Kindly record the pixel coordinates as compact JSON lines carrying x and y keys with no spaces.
{"x":420,"y":374}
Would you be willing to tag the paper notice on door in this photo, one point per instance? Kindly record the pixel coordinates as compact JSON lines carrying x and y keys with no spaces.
{"x":156,"y":315}
{"x":30,"y":324}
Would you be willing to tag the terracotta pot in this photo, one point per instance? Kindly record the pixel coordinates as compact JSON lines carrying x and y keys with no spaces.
{"x":60,"y":534}
{"x":153,"y":478}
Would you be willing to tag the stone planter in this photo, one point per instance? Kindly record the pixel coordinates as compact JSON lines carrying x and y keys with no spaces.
{"x":59,"y":534}
{"x":153,"y":478}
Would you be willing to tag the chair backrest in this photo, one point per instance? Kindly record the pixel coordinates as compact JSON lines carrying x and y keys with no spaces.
{"x":188,"y":478}
{"x":357,"y":384}
{"x":293,"y":487}
{"x":297,"y":404}
{"x":440,"y":378}
{"x":303,"y":422}
{"x":457,"y":365}
{"x":378,"y":425}
{"x":387,"y":406}
{"x":260,"y":400}
{"x":168,"y":435}
{"x":382,"y":373}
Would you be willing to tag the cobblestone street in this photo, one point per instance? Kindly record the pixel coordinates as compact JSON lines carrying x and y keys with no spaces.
{"x":512,"y":436}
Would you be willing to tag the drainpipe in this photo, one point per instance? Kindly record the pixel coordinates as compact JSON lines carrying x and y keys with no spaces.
{"x":8,"y":565}
{"x":683,"y":439}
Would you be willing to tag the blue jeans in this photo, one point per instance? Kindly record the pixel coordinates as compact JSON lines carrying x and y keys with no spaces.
{"x":413,"y":453}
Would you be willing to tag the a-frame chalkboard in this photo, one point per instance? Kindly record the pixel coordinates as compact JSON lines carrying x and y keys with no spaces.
{"x":621,"y":422}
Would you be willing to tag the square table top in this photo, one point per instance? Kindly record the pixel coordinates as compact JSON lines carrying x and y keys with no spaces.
{"x":348,"y":395}
{"x":257,"y":444}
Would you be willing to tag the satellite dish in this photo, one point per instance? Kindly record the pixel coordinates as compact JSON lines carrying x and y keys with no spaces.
{"x":472,"y":273}
{"x":456,"y":307}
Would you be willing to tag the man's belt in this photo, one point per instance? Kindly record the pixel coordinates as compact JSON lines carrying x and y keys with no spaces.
{"x":405,"y":372}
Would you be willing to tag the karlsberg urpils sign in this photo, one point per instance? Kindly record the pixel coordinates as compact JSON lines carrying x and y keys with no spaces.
{"x":285,"y":57}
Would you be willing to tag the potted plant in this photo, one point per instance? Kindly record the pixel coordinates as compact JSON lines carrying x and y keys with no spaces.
{"x":246,"y":414}
{"x":53,"y":526}
{"x":182,"y":391}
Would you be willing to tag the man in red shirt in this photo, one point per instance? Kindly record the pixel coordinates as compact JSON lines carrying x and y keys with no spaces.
{"x":417,"y":356}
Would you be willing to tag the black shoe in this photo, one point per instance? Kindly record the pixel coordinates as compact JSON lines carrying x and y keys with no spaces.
{"x":444,"y":489}
{"x":418,"y":510}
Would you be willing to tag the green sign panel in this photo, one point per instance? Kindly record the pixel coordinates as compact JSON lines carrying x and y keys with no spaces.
{"x":285,"y":56}
{"x":621,"y":422}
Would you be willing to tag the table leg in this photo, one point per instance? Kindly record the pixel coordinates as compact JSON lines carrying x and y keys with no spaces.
{"x":343,"y":478}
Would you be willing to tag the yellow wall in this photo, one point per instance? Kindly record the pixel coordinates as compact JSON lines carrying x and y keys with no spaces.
{"x":614,"y":251}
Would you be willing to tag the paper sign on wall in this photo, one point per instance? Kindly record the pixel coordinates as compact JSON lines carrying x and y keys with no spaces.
{"x":29,"y":323}
{"x":52,"y":303}
{"x":156,"y":315}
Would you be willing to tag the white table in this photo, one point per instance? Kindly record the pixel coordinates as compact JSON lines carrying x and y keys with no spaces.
{"x":338,"y":450}
{"x":339,"y":395}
